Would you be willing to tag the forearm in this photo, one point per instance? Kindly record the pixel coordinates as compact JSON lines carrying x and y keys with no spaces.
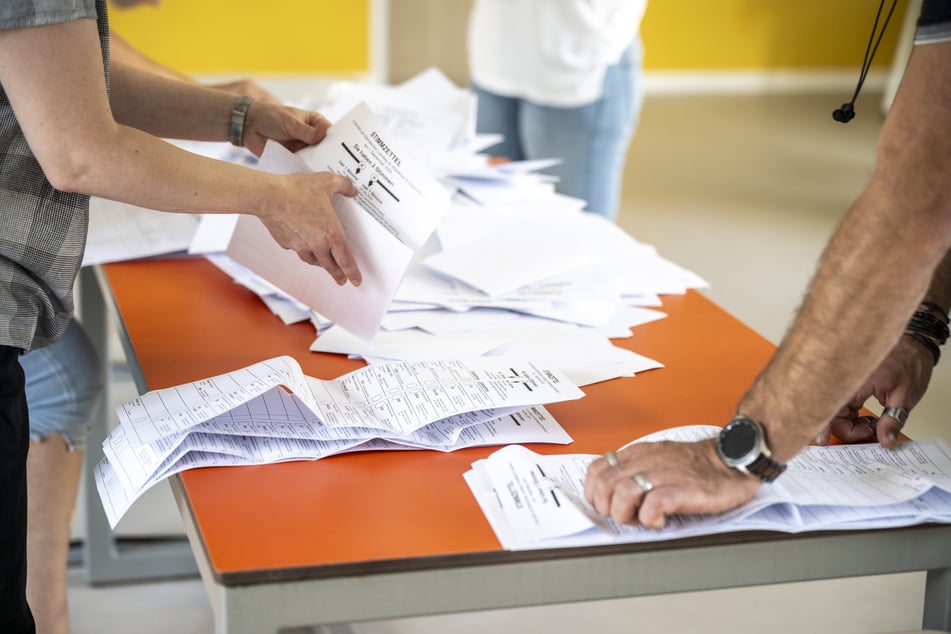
{"x":878,"y":267}
{"x":857,"y":308}
{"x":169,"y":108}
{"x":135,"y":167}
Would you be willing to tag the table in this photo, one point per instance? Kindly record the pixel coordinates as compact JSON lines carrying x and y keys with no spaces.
{"x":383,"y":535}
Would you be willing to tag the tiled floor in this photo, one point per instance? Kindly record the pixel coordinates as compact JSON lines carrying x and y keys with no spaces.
{"x":744,"y":191}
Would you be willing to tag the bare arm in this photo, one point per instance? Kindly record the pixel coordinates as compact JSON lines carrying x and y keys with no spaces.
{"x":876,"y":269}
{"x":53,"y":77}
{"x":874,"y":272}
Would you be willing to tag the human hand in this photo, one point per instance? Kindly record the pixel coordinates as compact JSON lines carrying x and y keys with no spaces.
{"x":307,"y":223}
{"x":899,"y":382}
{"x":681,"y":477}
{"x":291,"y":127}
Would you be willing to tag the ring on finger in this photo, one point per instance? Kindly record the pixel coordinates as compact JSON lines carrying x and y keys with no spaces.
{"x":898,"y":413}
{"x":611,"y":457}
{"x":641,"y":480}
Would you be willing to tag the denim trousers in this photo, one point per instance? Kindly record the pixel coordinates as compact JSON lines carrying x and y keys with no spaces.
{"x":591,"y":139}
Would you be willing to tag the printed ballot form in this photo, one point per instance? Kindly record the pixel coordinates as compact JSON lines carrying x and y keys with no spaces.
{"x":271,"y":412}
{"x":398,"y":205}
{"x":534,"y":501}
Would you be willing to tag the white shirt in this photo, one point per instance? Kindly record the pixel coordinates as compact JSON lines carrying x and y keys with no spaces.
{"x":552,"y":52}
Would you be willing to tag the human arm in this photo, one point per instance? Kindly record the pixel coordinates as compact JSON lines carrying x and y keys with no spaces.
{"x":874,"y":272}
{"x":54,"y":80}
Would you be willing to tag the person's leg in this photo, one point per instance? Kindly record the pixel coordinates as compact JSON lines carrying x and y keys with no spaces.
{"x":496,"y":114}
{"x":53,"y":474}
{"x":15,"y":616}
{"x":591,"y":140}
{"x":62,"y":390}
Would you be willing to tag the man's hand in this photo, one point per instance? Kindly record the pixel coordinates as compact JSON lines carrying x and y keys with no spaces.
{"x":899,"y":381}
{"x":683,"y":477}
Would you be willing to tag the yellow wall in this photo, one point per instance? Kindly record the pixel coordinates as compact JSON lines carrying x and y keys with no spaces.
{"x":251,"y":36}
{"x":331,"y":36}
{"x":763,"y":34}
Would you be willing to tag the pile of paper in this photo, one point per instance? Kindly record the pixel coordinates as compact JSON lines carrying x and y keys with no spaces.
{"x":461,"y":255}
{"x":490,"y":261}
{"x":534,"y":501}
{"x":271,"y":412}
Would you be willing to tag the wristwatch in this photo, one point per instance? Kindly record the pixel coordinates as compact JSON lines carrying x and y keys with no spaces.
{"x":742,"y":446}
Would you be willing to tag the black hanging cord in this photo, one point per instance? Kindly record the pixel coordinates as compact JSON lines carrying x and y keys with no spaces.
{"x":846,"y":112}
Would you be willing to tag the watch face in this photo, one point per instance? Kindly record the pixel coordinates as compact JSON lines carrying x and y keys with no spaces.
{"x":739,"y":439}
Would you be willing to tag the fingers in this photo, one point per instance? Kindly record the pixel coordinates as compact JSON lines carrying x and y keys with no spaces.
{"x":890,"y":424}
{"x":656,"y":480}
{"x":614,"y":492}
{"x":346,"y":266}
{"x":854,"y":429}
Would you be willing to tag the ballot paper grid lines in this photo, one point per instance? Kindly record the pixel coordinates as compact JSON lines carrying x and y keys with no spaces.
{"x":271,"y":412}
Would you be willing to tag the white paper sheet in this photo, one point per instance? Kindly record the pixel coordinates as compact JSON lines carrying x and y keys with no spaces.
{"x":535,"y":501}
{"x":270,"y":411}
{"x":398,"y":206}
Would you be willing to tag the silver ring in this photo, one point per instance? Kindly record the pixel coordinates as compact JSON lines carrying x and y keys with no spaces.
{"x":611,"y":457}
{"x":898,"y":413}
{"x":641,"y":480}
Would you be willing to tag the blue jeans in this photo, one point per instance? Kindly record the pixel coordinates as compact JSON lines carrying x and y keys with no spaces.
{"x":591,"y":140}
{"x":63,"y":387}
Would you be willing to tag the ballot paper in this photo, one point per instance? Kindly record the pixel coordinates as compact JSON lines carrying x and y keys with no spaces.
{"x":271,"y":412}
{"x":398,"y":205}
{"x":534,"y":501}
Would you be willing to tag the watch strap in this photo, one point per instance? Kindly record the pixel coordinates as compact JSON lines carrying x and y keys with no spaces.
{"x":239,"y":115}
{"x":765,"y":468}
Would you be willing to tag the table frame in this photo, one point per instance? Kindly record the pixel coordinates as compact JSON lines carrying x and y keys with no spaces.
{"x":105,"y":559}
{"x":518,"y":579}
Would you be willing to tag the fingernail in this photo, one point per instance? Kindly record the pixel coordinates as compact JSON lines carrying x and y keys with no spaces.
{"x":819,"y":440}
{"x":891,"y":436}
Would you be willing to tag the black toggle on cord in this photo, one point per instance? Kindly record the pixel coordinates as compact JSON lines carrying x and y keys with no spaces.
{"x":846,"y":112}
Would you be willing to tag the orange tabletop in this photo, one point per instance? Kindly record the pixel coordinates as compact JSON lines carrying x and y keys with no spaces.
{"x":187,"y":320}
{"x":380,"y":535}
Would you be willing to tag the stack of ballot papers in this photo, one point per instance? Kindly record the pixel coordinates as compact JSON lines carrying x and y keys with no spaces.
{"x":461,"y":255}
{"x":534,"y":501}
{"x":271,"y":412}
{"x":505,"y":266}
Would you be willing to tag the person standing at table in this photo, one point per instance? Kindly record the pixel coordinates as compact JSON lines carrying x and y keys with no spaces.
{"x":561,"y":79}
{"x":72,"y":126}
{"x":63,"y":389}
{"x":871,"y":324}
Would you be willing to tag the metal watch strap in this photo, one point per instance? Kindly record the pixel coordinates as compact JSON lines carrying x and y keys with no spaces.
{"x":765,"y":468}
{"x":239,"y":114}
